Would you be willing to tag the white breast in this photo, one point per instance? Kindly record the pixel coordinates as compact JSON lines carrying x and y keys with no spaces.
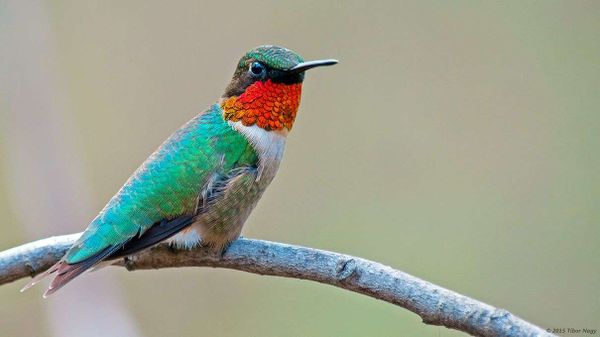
{"x":268,"y":144}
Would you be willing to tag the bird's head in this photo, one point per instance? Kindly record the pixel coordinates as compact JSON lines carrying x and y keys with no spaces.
{"x":265,"y":88}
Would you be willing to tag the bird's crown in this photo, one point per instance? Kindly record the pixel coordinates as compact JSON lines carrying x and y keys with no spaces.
{"x":275,"y":57}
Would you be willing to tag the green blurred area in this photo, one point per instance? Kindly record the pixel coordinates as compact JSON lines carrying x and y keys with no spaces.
{"x":455,"y":141}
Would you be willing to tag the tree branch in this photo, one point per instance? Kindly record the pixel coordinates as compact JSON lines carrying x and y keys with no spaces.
{"x":435,"y":305}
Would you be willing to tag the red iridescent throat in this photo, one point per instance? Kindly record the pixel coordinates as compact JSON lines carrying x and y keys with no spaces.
{"x":271,"y":106}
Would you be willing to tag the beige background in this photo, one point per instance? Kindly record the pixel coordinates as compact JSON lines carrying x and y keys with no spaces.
{"x":456,"y":141}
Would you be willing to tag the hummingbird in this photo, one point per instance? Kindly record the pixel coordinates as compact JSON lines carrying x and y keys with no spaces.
{"x":201,"y":184}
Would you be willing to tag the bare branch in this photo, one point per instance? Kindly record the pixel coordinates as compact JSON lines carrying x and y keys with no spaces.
{"x":435,"y":305}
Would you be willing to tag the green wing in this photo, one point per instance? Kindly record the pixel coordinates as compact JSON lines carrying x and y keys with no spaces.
{"x":168,"y":185}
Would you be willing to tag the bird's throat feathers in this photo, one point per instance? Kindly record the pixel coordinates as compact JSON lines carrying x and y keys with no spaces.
{"x":269,"y":105}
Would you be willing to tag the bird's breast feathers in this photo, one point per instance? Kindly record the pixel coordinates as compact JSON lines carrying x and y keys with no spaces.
{"x":269,"y":145}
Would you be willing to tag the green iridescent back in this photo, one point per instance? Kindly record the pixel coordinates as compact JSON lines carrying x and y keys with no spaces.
{"x":169,"y":183}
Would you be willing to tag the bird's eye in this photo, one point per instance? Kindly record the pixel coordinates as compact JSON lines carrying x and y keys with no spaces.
{"x":257,"y":69}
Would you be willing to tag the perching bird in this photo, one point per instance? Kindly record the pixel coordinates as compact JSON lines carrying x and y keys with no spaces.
{"x":201,"y":184}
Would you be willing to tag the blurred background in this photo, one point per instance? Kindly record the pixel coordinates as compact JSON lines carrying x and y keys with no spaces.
{"x":456,"y":141}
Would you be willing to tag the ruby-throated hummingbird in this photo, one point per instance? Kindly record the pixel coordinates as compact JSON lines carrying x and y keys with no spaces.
{"x":201,"y":184}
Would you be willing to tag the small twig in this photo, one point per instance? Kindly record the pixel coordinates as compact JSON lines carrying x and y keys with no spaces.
{"x":435,"y":305}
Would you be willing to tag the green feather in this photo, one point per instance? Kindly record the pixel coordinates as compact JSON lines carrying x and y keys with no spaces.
{"x":169,"y":183}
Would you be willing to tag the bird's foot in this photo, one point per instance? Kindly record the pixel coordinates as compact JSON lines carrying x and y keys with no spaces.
{"x":224,"y":250}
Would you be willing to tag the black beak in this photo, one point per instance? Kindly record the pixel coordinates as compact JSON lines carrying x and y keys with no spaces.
{"x":301,"y":67}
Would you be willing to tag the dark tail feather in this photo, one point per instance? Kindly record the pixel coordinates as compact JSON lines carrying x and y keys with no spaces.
{"x":41,"y":276}
{"x":66,"y":272}
{"x":155,"y":234}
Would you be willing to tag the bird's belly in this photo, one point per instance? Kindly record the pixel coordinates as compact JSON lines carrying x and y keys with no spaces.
{"x":222,"y":220}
